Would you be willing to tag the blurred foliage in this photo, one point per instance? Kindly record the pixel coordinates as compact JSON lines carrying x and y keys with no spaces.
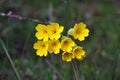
{"x":102,"y":46}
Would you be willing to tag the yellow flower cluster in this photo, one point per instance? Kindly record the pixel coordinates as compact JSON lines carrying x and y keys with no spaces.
{"x":71,"y":50}
{"x":45,"y":32}
{"x":49,"y":41}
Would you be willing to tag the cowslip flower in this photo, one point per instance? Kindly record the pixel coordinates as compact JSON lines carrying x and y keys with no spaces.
{"x":55,"y":31}
{"x":54,"y":46}
{"x":67,"y":44}
{"x":79,"y":53}
{"x":80,"y":31}
{"x":42,"y":32}
{"x":48,"y":41}
{"x":67,"y":56}
{"x":41,"y":48}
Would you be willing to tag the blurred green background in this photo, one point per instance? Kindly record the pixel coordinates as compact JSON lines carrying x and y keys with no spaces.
{"x":102,"y":46}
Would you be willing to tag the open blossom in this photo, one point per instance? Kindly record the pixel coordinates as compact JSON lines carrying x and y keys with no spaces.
{"x":67,"y":44}
{"x":54,"y":46}
{"x":67,"y":56}
{"x":79,"y":53}
{"x":41,"y":48}
{"x":80,"y":31}
{"x":55,"y":31}
{"x":42,"y":32}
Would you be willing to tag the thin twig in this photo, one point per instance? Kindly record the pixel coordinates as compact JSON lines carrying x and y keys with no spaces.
{"x":54,"y":69}
{"x":18,"y":17}
{"x":11,"y":61}
{"x":75,"y":70}
{"x":50,"y":11}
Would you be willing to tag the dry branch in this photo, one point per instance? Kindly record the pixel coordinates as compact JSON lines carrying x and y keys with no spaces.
{"x":18,"y":17}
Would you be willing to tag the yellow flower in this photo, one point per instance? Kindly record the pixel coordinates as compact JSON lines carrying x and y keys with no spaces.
{"x":80,"y":31}
{"x":67,"y":56}
{"x":55,"y":31}
{"x":54,"y":46}
{"x":42,"y":32}
{"x":41,"y":47}
{"x":79,"y":53}
{"x":67,"y":44}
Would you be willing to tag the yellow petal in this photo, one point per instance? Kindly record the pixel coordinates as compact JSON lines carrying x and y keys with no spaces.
{"x":56,"y":51}
{"x":45,"y":54}
{"x":82,"y":25}
{"x":56,"y":25}
{"x":81,"y":38}
{"x":39,"y":53}
{"x":57,"y":36}
{"x":39,"y":26}
{"x":85,"y":32}
{"x":36,"y":46}
{"x":61,"y":29}
{"x":38,"y":35}
{"x":45,"y":38}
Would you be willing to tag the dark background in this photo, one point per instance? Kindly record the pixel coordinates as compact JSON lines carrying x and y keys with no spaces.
{"x":102,"y":46}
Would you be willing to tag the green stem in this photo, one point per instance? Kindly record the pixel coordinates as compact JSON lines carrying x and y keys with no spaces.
{"x":7,"y":54}
{"x":54,"y":69}
{"x":75,"y":68}
{"x":115,"y":65}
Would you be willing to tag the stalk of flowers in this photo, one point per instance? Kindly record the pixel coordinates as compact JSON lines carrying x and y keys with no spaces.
{"x":50,"y":41}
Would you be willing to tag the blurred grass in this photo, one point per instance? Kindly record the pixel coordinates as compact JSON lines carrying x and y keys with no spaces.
{"x":11,"y":61}
{"x":102,"y":46}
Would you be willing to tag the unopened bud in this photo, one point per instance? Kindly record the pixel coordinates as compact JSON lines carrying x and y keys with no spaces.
{"x":70,"y":31}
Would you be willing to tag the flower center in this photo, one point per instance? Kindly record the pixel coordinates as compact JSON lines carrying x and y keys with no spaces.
{"x":45,"y":31}
{"x":67,"y":54}
{"x":43,"y":46}
{"x":54,"y":44}
{"x":78,"y":31}
{"x":77,"y":50}
{"x":54,"y":31}
{"x":66,"y":43}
